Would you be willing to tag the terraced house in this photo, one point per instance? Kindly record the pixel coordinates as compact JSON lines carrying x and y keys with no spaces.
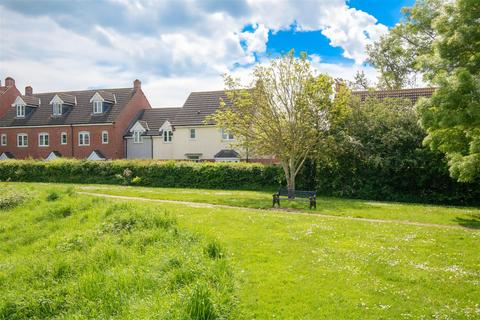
{"x":184,"y":133}
{"x":87,"y":124}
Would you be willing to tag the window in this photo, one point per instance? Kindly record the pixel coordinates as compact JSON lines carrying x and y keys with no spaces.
{"x":20,"y":111}
{"x":63,"y":138}
{"x":43,"y":139}
{"x":194,"y":158}
{"x":22,"y":140}
{"x":104,"y":137}
{"x":3,"y":139}
{"x":167,"y":136}
{"x":97,"y":107}
{"x":84,"y":138}
{"x":227,"y":135}
{"x":137,"y":137}
{"x":193,"y":134}
{"x":57,"y":109}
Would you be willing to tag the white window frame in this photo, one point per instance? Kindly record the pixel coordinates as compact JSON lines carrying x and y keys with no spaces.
{"x":227,"y":136}
{"x":23,"y":138}
{"x":43,"y":139}
{"x":57,"y":108}
{"x":194,"y":131}
{"x":21,"y":109}
{"x":3,"y":139}
{"x":63,"y":134}
{"x":137,"y":136}
{"x":105,"y":134}
{"x":81,"y":138}
{"x":167,"y":136}
{"x":97,"y":107}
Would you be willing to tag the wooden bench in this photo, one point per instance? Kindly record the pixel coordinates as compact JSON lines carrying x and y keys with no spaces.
{"x":310,"y":196}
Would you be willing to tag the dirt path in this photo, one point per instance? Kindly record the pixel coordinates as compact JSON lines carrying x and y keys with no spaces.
{"x":290,"y":211}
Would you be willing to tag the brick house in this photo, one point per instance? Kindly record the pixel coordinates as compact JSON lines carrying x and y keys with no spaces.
{"x":88,"y":124}
{"x":8,"y":94}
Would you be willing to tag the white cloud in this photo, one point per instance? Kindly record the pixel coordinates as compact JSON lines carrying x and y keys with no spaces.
{"x":173,"y":46}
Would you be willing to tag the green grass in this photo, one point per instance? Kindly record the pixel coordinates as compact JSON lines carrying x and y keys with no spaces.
{"x":76,"y":257}
{"x":459,"y":216}
{"x":284,"y":266}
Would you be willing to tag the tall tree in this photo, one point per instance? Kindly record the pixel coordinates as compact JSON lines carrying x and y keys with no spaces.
{"x":396,"y":54}
{"x":286,"y":111}
{"x":452,"y":115}
{"x":360,"y":81}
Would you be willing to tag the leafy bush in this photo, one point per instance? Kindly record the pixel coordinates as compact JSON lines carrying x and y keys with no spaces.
{"x":144,"y":173}
{"x":53,"y":195}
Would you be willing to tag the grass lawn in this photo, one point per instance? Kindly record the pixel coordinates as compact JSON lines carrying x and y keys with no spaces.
{"x":457,"y":216}
{"x":286,"y":266}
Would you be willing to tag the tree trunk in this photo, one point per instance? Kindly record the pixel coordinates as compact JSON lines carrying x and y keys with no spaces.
{"x":291,"y":187}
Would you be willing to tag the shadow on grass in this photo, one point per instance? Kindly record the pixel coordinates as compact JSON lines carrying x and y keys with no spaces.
{"x":473,"y":223}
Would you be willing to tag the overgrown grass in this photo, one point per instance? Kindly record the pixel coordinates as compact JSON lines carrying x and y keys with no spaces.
{"x":63,"y":255}
{"x":463,"y":216}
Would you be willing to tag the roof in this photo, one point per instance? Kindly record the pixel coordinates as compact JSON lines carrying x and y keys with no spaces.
{"x":81,"y":113}
{"x":7,"y":155}
{"x":31,"y":100}
{"x":96,"y":155}
{"x":66,"y":98}
{"x":152,"y":119}
{"x":412,"y":94}
{"x":227,"y":153}
{"x":198,"y":106}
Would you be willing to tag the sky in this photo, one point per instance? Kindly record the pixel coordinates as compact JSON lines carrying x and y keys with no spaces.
{"x":178,"y":46}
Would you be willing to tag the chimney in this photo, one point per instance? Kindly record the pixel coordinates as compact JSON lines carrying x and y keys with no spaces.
{"x":9,"y":82}
{"x":28,"y":91}
{"x":137,"y":84}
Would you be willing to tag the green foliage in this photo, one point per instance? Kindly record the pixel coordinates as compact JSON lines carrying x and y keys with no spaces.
{"x":214,"y":250}
{"x":284,"y":112}
{"x":53,"y":195}
{"x":143,"y":173}
{"x":85,"y":258}
{"x":380,"y":156}
{"x":11,"y":200}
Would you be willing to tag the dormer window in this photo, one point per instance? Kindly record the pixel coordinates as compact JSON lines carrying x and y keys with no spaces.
{"x":20,"y":111}
{"x":57,"y":109}
{"x":97,"y":107}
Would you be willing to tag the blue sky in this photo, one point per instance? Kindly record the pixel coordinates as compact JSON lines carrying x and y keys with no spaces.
{"x":178,"y":46}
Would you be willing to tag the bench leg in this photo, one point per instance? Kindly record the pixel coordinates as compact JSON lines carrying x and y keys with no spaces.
{"x":275,"y":200}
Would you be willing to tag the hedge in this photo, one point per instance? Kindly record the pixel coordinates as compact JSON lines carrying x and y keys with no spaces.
{"x":144,"y":173}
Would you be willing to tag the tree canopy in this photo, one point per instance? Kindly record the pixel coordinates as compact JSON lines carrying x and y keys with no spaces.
{"x":440,"y":40}
{"x":286,"y":111}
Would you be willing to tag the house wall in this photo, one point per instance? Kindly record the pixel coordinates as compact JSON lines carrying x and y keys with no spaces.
{"x":208,"y":143}
{"x":138,"y":102}
{"x":7,"y":98}
{"x":139,"y":150}
{"x":71,"y":149}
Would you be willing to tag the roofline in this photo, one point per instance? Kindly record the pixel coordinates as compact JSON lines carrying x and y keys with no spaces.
{"x":60,"y":125}
{"x":395,"y":90}
{"x":97,"y":89}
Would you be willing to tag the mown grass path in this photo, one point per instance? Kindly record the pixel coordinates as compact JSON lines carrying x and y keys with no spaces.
{"x":273,"y":210}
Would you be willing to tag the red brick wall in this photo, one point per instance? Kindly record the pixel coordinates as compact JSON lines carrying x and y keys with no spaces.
{"x":138,"y":102}
{"x":71,"y":149}
{"x":7,"y":98}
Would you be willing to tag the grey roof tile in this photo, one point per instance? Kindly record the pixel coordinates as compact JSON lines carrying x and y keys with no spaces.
{"x":154,"y":118}
{"x":81,"y":113}
{"x":198,"y":106}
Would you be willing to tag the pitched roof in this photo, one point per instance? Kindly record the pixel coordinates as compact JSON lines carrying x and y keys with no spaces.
{"x":67,"y":98}
{"x":81,"y":113}
{"x":227,"y":153}
{"x":412,"y":94}
{"x":198,"y":106}
{"x":31,"y":100}
{"x":7,"y":155}
{"x":152,"y":119}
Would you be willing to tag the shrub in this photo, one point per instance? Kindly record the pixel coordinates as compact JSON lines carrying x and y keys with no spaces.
{"x":145,"y":173}
{"x":53,"y":195}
